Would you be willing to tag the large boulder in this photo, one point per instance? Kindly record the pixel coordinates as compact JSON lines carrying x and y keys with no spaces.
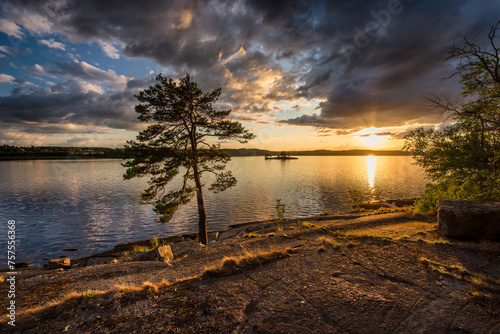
{"x":161,"y":254}
{"x":469,"y":219}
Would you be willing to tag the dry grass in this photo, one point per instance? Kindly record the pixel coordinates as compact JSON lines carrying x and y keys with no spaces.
{"x":234,"y":265}
{"x":145,"y":286}
{"x":328,"y":243}
{"x":119,"y":291}
{"x":457,"y":272}
{"x":394,"y":230}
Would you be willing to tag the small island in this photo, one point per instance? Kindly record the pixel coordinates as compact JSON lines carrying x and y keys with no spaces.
{"x":282,"y":156}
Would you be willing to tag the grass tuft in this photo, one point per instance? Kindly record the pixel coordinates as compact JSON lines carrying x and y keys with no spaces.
{"x":329,"y":243}
{"x":136,"y":248}
{"x":351,"y":244}
{"x":326,"y":212}
{"x":457,"y":272}
{"x":234,"y":265}
{"x":89,"y":294}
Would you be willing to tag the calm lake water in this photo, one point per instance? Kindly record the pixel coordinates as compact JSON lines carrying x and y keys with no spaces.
{"x":86,"y":204}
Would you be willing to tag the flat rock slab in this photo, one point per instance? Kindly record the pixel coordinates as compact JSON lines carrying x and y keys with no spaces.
{"x":185,"y":247}
{"x":469,"y":219}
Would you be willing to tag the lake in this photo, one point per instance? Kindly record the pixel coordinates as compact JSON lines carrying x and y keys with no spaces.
{"x":86,"y":204}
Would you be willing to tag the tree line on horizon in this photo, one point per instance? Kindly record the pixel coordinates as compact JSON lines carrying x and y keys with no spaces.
{"x":59,"y":152}
{"x":75,"y":152}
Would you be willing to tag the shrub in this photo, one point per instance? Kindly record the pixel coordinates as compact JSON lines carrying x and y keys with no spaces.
{"x":356,"y":197}
{"x":280,"y":210}
{"x":155,"y":243}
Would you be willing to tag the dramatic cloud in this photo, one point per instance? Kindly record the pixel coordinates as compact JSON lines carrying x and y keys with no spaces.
{"x":51,"y":43}
{"x":337,"y":66}
{"x":6,"y":78}
{"x":73,"y":105}
{"x":85,"y":71}
{"x":110,"y":50}
{"x":10,"y":28}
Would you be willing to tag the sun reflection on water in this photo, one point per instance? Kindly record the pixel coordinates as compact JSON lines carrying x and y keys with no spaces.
{"x":371,"y":170}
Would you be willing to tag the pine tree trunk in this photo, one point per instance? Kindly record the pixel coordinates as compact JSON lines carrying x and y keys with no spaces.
{"x":202,"y":222}
{"x":202,"y":214}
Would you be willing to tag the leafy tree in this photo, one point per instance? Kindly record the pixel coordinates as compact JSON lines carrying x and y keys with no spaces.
{"x":284,"y":155}
{"x":182,"y":124}
{"x":464,"y":158}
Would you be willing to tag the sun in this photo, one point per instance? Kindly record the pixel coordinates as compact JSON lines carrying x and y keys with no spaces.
{"x":374,"y":141}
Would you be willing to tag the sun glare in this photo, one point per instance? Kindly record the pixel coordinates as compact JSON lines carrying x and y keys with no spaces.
{"x":374,"y":141}
{"x":371,"y":170}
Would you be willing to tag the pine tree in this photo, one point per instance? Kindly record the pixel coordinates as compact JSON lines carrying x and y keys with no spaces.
{"x":183,"y":137}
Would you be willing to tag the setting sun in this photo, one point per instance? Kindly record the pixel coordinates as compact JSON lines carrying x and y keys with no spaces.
{"x":374,"y":141}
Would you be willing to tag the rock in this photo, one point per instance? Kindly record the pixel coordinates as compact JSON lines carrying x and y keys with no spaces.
{"x":161,"y":254}
{"x":70,"y":249}
{"x":469,"y":219}
{"x":373,"y":206}
{"x":59,"y":263}
{"x":403,"y":202}
{"x":185,"y":247}
{"x":22,"y":264}
{"x":94,"y":261}
{"x":393,"y":203}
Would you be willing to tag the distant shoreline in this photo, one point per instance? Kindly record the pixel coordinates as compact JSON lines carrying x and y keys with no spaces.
{"x":75,"y":153}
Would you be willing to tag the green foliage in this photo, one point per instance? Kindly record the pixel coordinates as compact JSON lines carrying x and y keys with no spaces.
{"x":280,"y":210}
{"x":137,"y":248}
{"x":180,"y":140}
{"x":59,"y":152}
{"x":463,"y":159}
{"x":284,"y":155}
{"x":326,"y":212}
{"x":155,"y":243}
{"x":89,"y":294}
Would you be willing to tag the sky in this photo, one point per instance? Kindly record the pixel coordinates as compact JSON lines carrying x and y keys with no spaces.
{"x":301,"y":75}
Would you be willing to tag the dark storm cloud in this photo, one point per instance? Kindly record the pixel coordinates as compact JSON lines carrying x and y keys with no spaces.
{"x":371,"y":63}
{"x":54,"y":112}
{"x":85,"y":71}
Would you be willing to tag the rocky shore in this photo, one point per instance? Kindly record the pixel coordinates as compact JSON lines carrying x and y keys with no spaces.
{"x":368,"y":272}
